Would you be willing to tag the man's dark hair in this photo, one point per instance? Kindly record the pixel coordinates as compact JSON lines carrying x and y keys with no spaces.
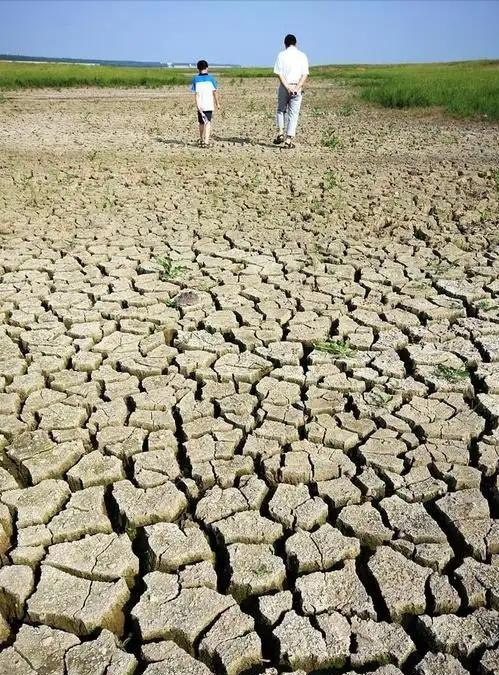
{"x":289,"y":40}
{"x":202,"y":65}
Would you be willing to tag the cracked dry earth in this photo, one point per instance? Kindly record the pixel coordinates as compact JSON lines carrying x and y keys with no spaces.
{"x":189,"y":482}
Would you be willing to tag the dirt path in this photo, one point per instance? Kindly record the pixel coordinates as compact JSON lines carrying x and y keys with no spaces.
{"x":249,"y":397}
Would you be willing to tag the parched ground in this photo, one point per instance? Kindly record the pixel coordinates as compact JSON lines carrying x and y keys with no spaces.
{"x":249,"y":397}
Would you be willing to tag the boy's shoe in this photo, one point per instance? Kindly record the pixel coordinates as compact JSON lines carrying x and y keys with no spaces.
{"x":200,"y":143}
{"x":279,"y":139}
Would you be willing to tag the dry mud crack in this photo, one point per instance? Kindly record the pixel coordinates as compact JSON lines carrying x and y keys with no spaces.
{"x":249,"y":399}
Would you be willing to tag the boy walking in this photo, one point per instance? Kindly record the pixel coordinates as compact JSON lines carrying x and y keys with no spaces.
{"x":205,"y":88}
{"x":291,"y":67}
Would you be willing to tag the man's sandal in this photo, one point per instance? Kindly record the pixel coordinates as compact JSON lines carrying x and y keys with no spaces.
{"x":279,"y":139}
{"x":288,"y":144}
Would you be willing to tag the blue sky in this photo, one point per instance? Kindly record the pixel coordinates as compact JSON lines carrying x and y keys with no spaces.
{"x":250,"y":33}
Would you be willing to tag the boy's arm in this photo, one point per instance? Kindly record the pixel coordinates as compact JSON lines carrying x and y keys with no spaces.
{"x":216,"y":96}
{"x":196,"y":93}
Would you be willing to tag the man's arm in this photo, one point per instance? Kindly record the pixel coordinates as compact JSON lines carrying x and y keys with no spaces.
{"x":278,"y":72}
{"x":302,"y":81}
{"x":304,"y":76}
{"x":284,"y":83}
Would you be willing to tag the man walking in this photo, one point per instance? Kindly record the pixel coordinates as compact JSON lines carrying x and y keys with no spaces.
{"x":291,"y":67}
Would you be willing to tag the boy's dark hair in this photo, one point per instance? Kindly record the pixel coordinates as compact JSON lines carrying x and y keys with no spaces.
{"x":202,"y":65}
{"x":289,"y":40}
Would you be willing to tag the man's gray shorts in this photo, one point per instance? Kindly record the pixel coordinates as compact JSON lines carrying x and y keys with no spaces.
{"x":288,"y":108}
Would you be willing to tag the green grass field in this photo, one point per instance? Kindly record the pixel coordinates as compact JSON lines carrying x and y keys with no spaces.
{"x":246,"y":72}
{"x":33,"y":75}
{"x":466,"y":89}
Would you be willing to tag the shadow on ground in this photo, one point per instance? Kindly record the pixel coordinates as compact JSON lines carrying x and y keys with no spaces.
{"x":242,"y":141}
{"x":237,"y":140}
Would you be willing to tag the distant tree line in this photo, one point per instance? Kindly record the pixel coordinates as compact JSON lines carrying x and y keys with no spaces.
{"x":104,"y":62}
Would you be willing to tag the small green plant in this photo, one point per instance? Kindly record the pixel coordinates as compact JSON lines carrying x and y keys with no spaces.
{"x":317,"y":112}
{"x":330,"y":140}
{"x":487,"y":304}
{"x":485,"y":216}
{"x":378,"y":399}
{"x":29,"y":176}
{"x":169,"y":302}
{"x":452,"y":374}
{"x":330,"y":181}
{"x":107,"y":203}
{"x":336,"y":347}
{"x":441,"y":266}
{"x":131,"y":531}
{"x":168,"y":269}
{"x":345,"y":110}
{"x":261,"y":570}
{"x":317,"y":207}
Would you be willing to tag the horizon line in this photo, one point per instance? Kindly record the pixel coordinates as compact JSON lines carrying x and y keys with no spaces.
{"x":168,"y":64}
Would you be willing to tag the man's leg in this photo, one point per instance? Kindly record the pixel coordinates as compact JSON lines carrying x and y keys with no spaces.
{"x":282,"y":105}
{"x":294,"y":106}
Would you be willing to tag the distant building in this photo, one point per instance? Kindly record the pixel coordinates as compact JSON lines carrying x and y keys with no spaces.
{"x":213,"y":66}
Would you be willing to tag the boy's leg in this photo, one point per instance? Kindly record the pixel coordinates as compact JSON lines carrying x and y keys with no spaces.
{"x":207,"y":131}
{"x":201,"y":127}
{"x":207,"y":126}
{"x":294,"y":106}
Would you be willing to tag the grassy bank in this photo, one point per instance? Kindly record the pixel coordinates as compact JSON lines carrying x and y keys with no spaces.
{"x":34,"y":75}
{"x":465,"y":89}
{"x":246,"y":72}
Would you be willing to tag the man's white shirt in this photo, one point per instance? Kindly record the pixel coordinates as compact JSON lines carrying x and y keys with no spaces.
{"x":291,"y":64}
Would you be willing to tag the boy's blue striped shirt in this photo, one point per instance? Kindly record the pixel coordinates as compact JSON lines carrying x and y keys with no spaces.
{"x":204,"y":85}
{"x":197,"y":79}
